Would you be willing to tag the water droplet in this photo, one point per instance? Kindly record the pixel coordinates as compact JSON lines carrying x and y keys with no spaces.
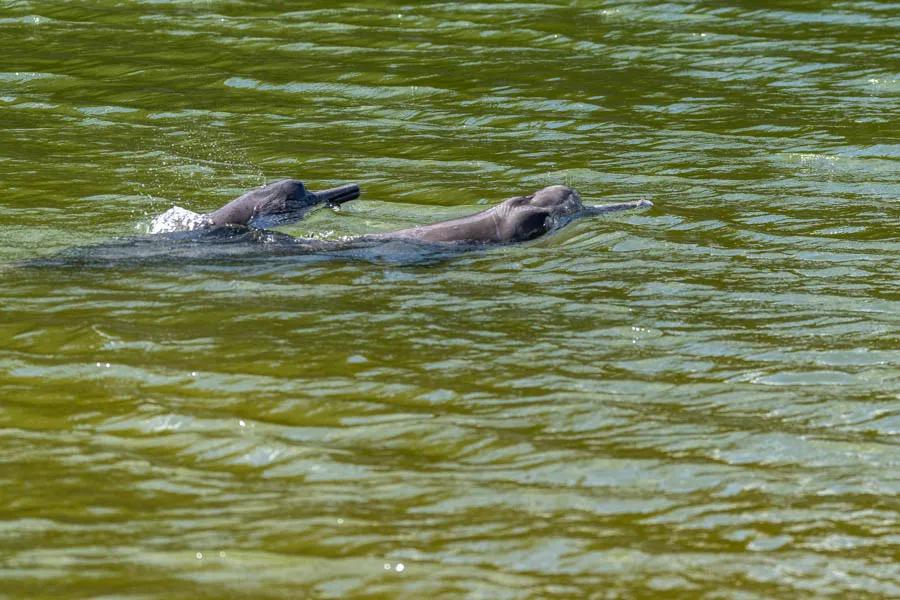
{"x":199,"y":556}
{"x":242,"y":423}
{"x":400,"y":567}
{"x":387,"y":566}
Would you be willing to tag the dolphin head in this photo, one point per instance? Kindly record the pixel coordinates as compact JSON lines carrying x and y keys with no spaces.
{"x":561,"y":203}
{"x":279,"y":203}
{"x":528,"y":217}
{"x":288,"y":201}
{"x":548,"y":209}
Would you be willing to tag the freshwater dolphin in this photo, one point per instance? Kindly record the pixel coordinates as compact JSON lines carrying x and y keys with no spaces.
{"x":279,"y":203}
{"x":236,"y":231}
{"x":516,"y":219}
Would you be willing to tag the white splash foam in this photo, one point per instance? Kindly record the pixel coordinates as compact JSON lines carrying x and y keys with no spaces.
{"x":178,"y":219}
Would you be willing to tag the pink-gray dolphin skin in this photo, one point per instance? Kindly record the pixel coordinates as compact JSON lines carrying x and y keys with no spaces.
{"x":513,"y":220}
{"x":237,"y":230}
{"x":278,"y":203}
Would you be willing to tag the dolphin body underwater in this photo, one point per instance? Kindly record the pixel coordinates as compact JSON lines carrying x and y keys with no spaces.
{"x":239,"y":230}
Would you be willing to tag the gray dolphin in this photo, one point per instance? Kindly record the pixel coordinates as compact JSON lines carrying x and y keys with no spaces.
{"x":516,"y":219}
{"x":237,"y":229}
{"x":277,"y":203}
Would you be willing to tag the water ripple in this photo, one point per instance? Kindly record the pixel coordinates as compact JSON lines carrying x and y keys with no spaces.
{"x":697,"y":400}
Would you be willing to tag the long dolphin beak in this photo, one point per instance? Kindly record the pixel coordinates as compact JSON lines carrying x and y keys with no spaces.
{"x":339,"y":195}
{"x":599,"y":210}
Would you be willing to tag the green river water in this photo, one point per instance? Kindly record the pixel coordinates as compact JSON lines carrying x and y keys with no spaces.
{"x":697,"y":400}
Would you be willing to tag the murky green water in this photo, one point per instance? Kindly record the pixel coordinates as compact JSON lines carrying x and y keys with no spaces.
{"x":699,"y":400}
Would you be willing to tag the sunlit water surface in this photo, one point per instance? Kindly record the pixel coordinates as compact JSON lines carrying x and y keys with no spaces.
{"x":697,"y":400}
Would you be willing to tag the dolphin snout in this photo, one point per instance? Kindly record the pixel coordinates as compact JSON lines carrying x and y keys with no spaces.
{"x":599,"y":210}
{"x":339,"y":195}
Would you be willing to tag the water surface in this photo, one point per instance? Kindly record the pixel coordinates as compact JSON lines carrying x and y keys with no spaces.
{"x":699,"y":400}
